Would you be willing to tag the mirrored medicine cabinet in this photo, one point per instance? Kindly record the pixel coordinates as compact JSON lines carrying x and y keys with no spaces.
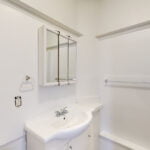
{"x":57,"y":58}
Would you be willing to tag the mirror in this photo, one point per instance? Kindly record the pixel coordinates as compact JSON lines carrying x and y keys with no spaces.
{"x":57,"y":58}
{"x":63,"y":57}
{"x":52,"y":56}
{"x":72,"y":60}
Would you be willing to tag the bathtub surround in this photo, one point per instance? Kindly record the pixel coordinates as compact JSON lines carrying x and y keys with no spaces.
{"x":118,"y":143}
{"x":126,"y":111}
{"x":125,"y":56}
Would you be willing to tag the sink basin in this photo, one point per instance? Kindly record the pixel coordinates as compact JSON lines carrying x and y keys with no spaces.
{"x":48,"y":127}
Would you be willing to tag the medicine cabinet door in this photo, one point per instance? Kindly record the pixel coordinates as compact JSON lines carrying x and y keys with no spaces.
{"x":72,"y":60}
{"x":63,"y":60}
{"x":57,"y":58}
{"x":52,"y":57}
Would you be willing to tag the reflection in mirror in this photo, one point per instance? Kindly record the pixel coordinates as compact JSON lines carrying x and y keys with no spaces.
{"x":63,"y":59}
{"x":52,"y":56}
{"x":72,"y":59}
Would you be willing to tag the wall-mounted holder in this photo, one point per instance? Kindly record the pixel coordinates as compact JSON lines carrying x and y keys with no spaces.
{"x":27,"y":84}
{"x":18,"y":101}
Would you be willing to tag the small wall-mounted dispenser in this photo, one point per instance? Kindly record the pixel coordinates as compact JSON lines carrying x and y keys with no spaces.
{"x":18,"y":101}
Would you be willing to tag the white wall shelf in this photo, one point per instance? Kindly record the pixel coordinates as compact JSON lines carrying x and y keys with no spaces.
{"x":125,"y":30}
{"x":43,"y":16}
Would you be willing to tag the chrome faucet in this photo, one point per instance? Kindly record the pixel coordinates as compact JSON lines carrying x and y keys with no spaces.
{"x":61,"y":112}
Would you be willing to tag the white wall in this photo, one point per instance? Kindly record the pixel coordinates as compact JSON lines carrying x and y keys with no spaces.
{"x":88,"y":51}
{"x":19,"y":53}
{"x":18,"y":144}
{"x":115,"y":14}
{"x":61,"y":10}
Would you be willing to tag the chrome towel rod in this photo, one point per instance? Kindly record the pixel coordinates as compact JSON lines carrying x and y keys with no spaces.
{"x":127,"y":83}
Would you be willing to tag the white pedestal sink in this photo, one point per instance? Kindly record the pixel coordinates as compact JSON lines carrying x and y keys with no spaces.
{"x":48,"y":127}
